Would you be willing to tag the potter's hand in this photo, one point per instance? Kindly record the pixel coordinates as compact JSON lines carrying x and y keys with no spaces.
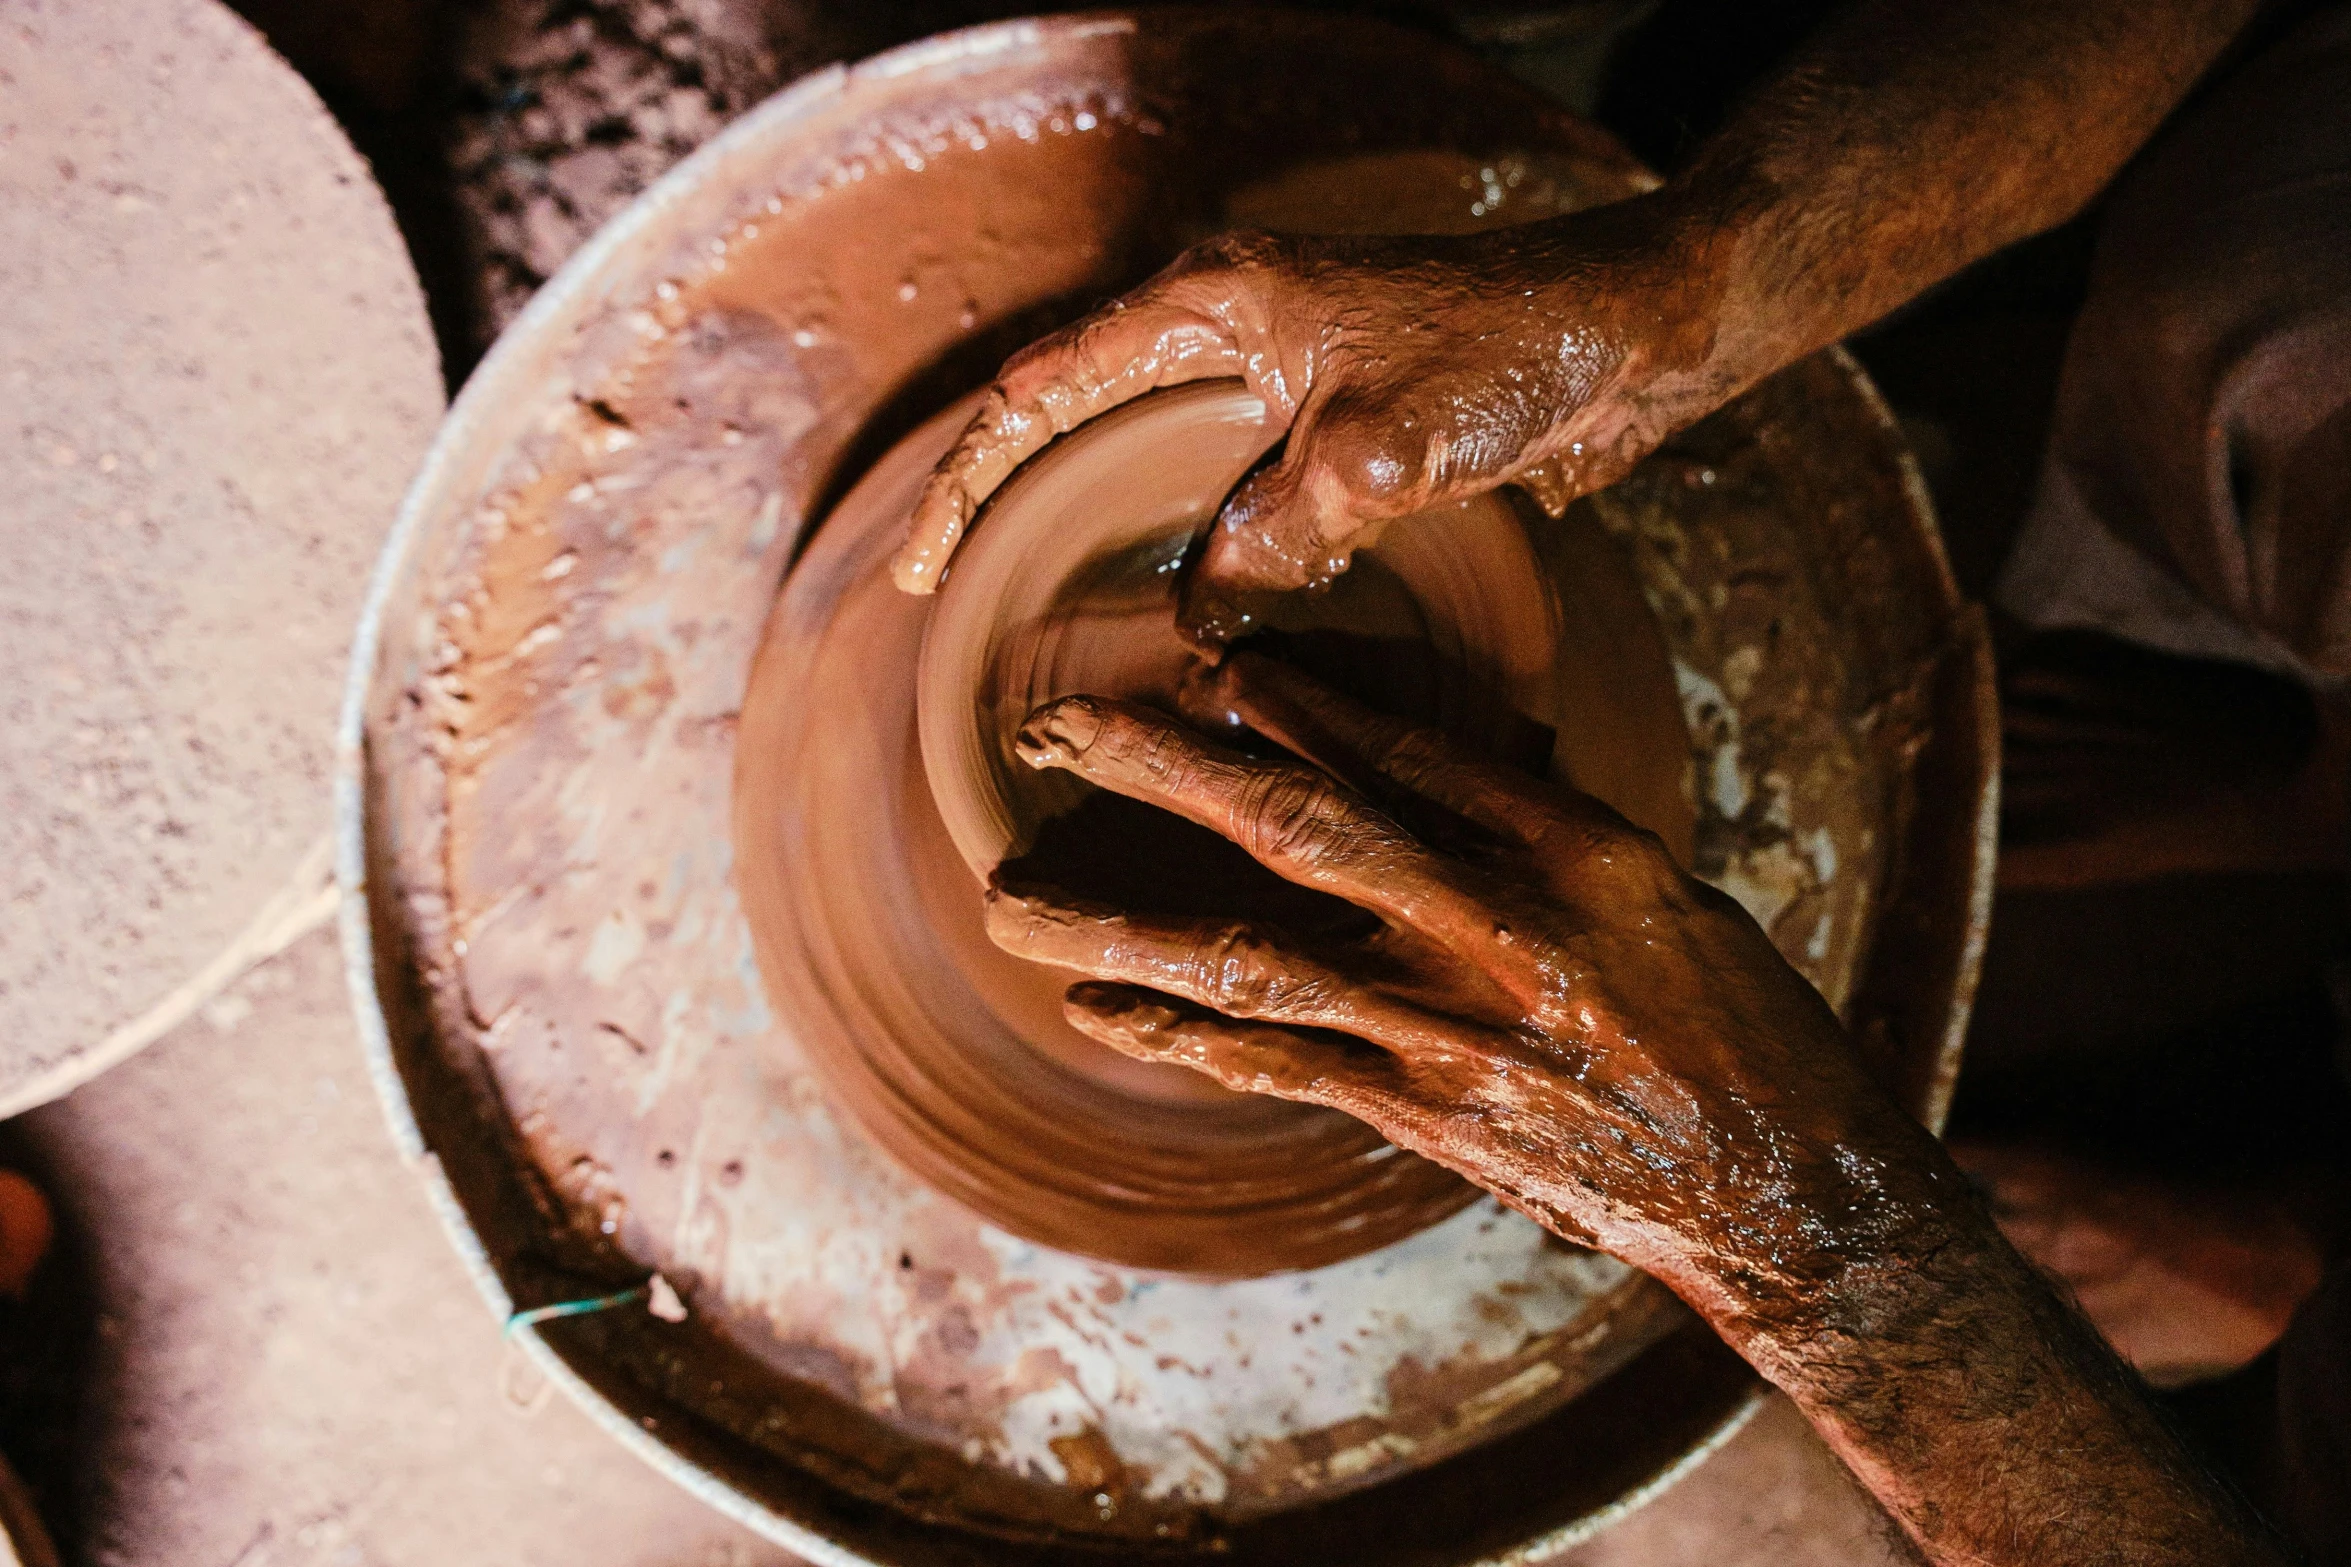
{"x":1406,"y":372}
{"x":1552,"y":1008}
{"x":1901,"y":144}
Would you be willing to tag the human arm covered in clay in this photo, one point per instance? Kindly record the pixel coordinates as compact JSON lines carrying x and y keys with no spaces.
{"x":1552,"y":1008}
{"x":1904,"y":143}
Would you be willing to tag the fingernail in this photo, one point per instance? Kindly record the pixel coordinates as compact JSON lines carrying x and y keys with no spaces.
{"x":1211,"y":623}
{"x":1005,"y":917}
{"x":1058,"y":733}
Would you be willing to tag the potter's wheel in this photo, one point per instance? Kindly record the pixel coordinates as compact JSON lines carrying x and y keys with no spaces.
{"x":575,"y":994}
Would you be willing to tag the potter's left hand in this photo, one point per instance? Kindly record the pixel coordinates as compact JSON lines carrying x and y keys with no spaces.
{"x":1902,"y":143}
{"x":1554,"y":1009}
{"x":1404,"y":372}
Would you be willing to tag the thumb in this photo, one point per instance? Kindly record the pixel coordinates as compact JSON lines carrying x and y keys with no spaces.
{"x":1298,"y":523}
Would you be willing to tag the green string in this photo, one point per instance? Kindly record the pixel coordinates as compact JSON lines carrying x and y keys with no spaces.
{"x":572,"y":1308}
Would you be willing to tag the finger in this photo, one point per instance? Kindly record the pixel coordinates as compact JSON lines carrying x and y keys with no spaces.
{"x":1248,"y":1056}
{"x":1291,"y":819}
{"x":1300,"y":713}
{"x":1550,"y":484}
{"x":1265,"y":1058}
{"x":1229,"y":966}
{"x":1147,"y":340}
{"x":1367,"y":447}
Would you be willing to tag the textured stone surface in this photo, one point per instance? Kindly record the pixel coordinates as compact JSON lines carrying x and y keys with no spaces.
{"x":215,"y":380}
{"x":567,"y":108}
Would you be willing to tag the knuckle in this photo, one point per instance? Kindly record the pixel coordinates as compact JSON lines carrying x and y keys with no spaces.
{"x":1168,"y":759}
{"x":1293,"y":816}
{"x":1236,"y":972}
{"x":1021,"y":370}
{"x":1376,"y":457}
{"x":1603,"y":845}
{"x":1586,"y":839}
{"x":1239,"y":250}
{"x":1408,"y":755}
{"x":1651,"y":846}
{"x":1038,"y":366}
{"x":1115,"y":739}
{"x":1641,"y":851}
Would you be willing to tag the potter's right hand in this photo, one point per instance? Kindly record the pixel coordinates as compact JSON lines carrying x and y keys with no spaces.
{"x":1405,"y":371}
{"x":1553,"y":1008}
{"x":1549,"y":1005}
{"x":1902,"y":144}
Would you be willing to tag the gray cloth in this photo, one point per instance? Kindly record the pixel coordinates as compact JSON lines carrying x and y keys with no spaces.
{"x":2197,"y":492}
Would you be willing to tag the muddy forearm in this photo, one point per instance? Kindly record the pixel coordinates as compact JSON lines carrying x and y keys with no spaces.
{"x":1907,"y":142}
{"x":1910,"y":140}
{"x":1572,"y":1022}
{"x":1987,"y":1416}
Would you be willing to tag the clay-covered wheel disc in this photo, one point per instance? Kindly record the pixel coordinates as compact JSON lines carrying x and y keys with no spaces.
{"x":219,"y":376}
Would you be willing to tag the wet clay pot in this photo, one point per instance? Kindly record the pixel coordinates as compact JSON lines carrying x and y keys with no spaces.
{"x":953,"y":1055}
{"x":647,"y":836}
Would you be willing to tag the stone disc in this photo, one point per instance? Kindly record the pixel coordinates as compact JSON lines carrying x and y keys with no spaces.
{"x":220,"y":376}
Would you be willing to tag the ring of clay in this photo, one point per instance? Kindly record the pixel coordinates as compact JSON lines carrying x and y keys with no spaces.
{"x":950,"y":1053}
{"x":954,"y":1056}
{"x":1067,"y":586}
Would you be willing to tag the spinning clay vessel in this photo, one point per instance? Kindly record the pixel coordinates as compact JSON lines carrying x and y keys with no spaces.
{"x":665,"y":819}
{"x":953,"y":1055}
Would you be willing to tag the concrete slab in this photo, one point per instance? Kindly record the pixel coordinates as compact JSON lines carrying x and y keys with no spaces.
{"x":217,"y":378}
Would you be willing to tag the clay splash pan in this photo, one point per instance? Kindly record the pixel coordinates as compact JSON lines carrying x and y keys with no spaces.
{"x":562,"y":866}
